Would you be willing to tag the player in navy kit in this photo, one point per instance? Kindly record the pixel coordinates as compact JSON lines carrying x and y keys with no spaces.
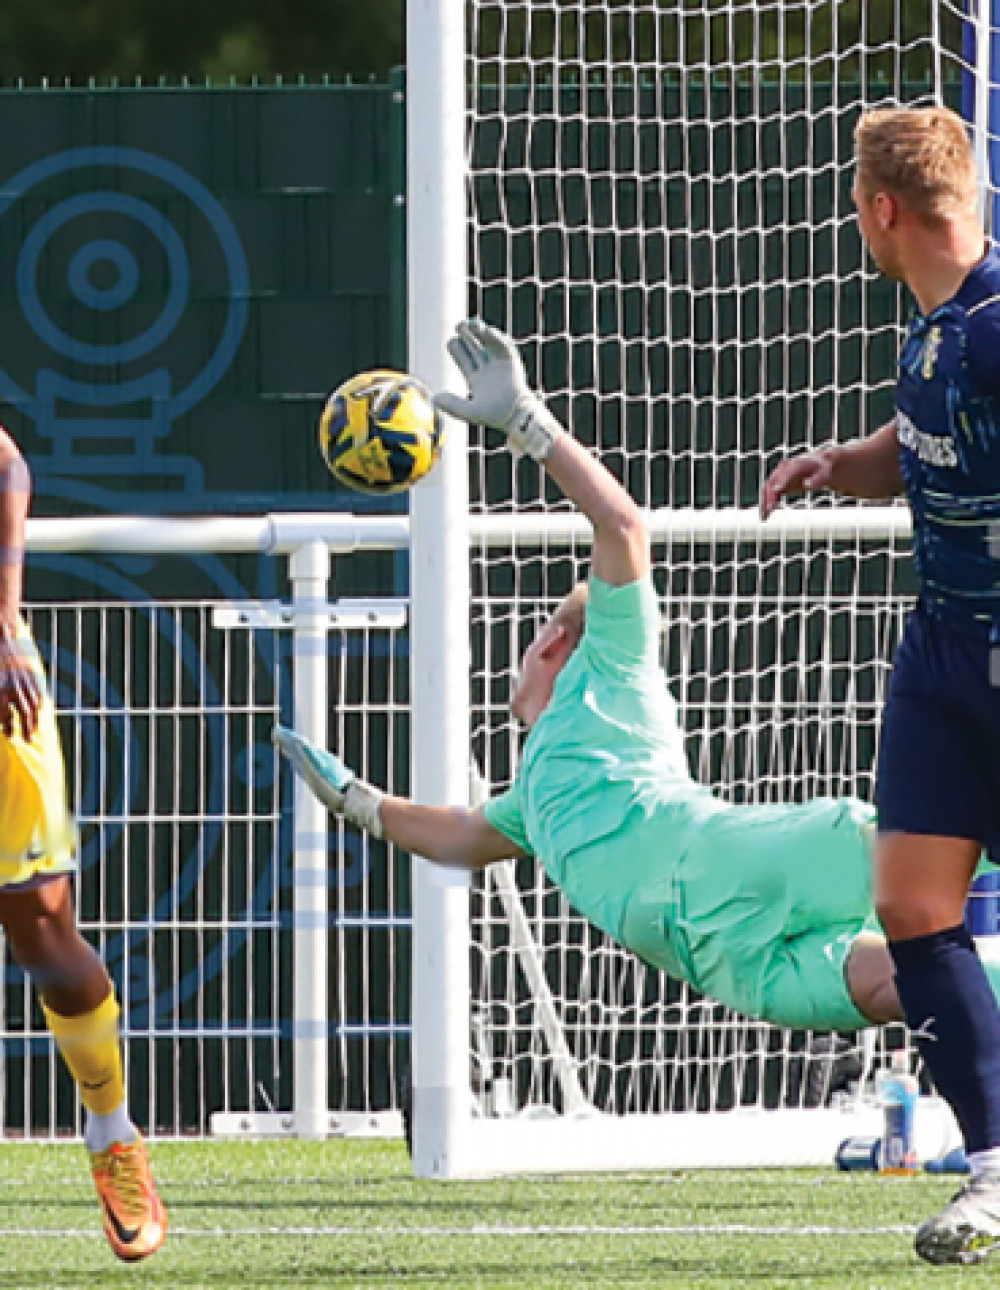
{"x":938,"y":783}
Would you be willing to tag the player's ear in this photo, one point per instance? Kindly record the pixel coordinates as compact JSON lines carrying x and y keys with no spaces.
{"x":885,"y":208}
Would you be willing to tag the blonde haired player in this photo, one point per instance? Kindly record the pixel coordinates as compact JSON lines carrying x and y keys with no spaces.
{"x":938,"y":780}
{"x":37,"y":846}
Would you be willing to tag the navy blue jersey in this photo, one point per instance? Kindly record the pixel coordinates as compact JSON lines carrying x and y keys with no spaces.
{"x":948,"y":416}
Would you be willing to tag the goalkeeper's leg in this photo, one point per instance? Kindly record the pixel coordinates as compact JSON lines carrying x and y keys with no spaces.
{"x":871,"y":976}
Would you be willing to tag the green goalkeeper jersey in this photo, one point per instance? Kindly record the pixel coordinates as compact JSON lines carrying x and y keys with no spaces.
{"x":754,"y":905}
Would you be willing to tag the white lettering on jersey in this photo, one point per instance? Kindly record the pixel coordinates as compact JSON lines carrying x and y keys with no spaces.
{"x":935,"y":449}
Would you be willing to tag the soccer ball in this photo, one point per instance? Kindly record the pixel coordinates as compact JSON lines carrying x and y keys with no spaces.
{"x":379,"y":432}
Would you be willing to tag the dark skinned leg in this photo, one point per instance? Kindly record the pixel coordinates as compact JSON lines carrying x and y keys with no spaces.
{"x":40,"y":924}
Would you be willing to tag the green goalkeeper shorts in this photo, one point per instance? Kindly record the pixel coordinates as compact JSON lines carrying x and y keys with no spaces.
{"x":762,"y":910}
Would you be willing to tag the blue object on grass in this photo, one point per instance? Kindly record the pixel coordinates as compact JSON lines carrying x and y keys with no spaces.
{"x":953,"y":1162}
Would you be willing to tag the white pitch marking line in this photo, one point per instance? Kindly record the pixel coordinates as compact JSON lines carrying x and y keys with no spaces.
{"x":589,"y":1229}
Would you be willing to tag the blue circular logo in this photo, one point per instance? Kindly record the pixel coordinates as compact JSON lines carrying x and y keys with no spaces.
{"x":105,"y":275}
{"x":178,"y":277}
{"x":83,"y":281}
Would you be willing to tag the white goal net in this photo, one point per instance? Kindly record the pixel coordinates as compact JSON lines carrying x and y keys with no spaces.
{"x":661,"y":215}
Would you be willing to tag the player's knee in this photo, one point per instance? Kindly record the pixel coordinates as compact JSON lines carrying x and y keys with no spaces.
{"x":871,"y":980}
{"x":41,"y":929}
{"x":908,"y":914}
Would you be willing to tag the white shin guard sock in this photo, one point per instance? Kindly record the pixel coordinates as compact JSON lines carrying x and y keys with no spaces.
{"x":103,"y":1130}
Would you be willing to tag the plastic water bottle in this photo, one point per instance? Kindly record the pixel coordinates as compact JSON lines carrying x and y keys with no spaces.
{"x":900,"y":1091}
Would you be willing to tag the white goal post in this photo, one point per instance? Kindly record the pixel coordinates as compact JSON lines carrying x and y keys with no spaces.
{"x":653,"y":197}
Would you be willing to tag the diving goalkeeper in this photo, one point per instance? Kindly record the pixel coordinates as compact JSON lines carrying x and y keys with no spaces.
{"x":767,"y":909}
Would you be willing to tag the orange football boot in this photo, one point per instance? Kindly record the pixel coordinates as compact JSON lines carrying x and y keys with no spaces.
{"x":135,"y":1219}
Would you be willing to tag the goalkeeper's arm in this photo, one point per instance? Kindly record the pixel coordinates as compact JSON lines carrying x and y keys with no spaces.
{"x":456,"y":836}
{"x":500,"y":397}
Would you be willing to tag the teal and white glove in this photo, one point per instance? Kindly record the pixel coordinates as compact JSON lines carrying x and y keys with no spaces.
{"x":499,"y":394}
{"x":331,"y":782}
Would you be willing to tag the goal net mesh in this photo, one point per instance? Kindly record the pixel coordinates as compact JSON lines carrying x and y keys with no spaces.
{"x":661,"y":216}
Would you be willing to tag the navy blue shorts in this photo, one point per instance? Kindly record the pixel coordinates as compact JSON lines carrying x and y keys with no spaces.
{"x":939,"y":755}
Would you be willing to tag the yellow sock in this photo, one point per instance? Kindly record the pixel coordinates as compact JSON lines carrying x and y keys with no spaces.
{"x":90,"y":1048}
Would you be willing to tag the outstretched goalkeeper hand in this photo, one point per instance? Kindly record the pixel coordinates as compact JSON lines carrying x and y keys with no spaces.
{"x":333,"y":783}
{"x":499,"y":394}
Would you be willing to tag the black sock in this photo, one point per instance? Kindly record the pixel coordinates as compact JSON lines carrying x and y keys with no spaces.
{"x":948,"y":1004}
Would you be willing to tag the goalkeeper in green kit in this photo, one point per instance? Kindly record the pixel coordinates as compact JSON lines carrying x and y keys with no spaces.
{"x":767,"y":909}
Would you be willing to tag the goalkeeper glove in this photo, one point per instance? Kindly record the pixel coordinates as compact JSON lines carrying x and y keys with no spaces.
{"x":499,"y":394}
{"x":337,"y":787}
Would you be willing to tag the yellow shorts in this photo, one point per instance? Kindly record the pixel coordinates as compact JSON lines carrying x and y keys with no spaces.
{"x":37,"y":831}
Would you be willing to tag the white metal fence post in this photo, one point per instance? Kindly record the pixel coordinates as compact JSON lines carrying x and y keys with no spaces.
{"x":309,"y":569}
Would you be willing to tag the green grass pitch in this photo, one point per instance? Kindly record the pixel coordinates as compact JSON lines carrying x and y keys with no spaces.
{"x":349,"y":1214}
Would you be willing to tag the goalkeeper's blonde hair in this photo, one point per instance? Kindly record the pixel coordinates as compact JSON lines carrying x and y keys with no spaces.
{"x":921,"y":155}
